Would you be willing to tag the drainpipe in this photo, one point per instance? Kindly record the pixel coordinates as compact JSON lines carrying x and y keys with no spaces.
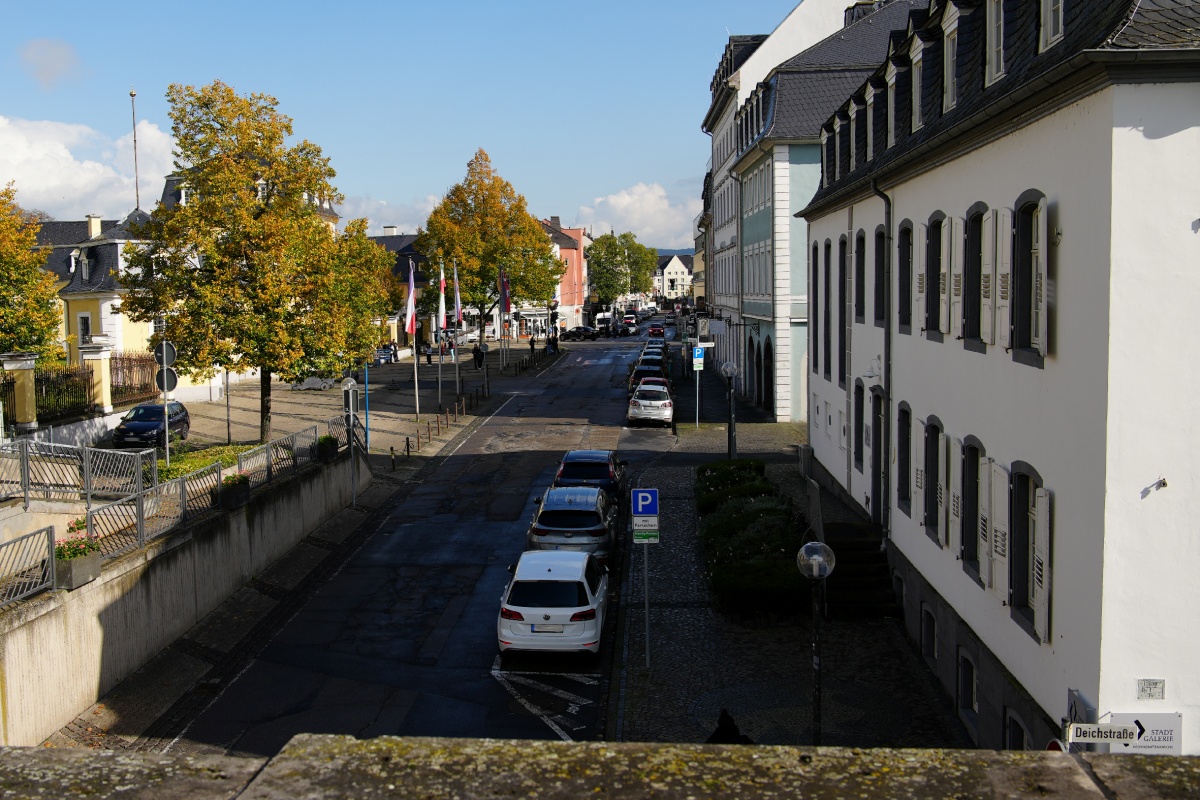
{"x":886,"y":516}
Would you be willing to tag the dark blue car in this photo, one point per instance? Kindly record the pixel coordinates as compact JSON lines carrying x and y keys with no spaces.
{"x":142,"y":427}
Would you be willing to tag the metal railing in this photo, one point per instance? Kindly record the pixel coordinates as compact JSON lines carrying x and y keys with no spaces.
{"x":61,"y":392}
{"x":31,"y":469}
{"x":132,"y":377}
{"x":27,"y":565}
{"x":8,"y":399}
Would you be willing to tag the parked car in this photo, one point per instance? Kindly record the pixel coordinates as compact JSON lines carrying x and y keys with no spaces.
{"x":652,"y":360}
{"x":641,"y":372}
{"x":629,"y":329}
{"x":577,"y":518}
{"x":651,"y":404}
{"x":657,"y":382}
{"x":555,"y":601}
{"x":142,"y":426}
{"x":581,"y":332}
{"x":603,"y":469}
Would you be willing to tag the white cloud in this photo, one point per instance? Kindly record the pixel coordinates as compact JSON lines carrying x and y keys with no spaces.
{"x":70,"y":170}
{"x":406,"y":217}
{"x":647,"y":211}
{"x":49,"y":60}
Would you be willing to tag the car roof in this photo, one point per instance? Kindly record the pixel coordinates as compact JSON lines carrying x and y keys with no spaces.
{"x":587,"y":455}
{"x":550,"y":565}
{"x":570,"y":497}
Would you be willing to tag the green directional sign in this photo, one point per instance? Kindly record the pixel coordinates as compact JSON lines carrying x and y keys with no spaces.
{"x":645,"y":537}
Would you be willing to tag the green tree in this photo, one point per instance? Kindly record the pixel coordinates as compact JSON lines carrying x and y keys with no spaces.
{"x":249,"y":272}
{"x":30,"y":311}
{"x":482,"y":224}
{"x":619,"y":265}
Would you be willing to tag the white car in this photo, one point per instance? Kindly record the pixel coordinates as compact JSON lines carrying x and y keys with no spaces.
{"x":650,"y":404}
{"x":556,"y":602}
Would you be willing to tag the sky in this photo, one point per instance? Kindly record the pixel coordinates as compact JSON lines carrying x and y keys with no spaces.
{"x":591,"y":111}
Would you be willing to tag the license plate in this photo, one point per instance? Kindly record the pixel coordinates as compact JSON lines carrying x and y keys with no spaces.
{"x":567,"y":547}
{"x":546,"y":628}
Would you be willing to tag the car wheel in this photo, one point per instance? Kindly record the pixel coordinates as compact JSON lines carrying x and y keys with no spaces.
{"x":183,"y":434}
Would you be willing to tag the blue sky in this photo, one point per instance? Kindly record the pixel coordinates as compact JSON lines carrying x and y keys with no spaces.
{"x":591,"y":111}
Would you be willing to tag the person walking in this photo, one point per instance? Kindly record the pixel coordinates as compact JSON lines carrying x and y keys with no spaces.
{"x":532,"y":345}
{"x":429,"y":354}
{"x":477,"y":355}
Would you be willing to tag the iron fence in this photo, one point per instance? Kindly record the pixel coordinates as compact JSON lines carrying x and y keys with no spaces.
{"x":61,"y":392}
{"x":27,"y":565}
{"x":264,"y":463}
{"x":132,"y":377}
{"x":8,"y":399}
{"x":32,"y":469}
{"x":337,"y":429}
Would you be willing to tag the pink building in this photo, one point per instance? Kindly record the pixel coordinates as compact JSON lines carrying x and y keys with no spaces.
{"x":573,"y":287}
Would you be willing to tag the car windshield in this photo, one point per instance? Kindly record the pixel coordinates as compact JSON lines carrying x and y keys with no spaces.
{"x":650,"y":394}
{"x":547,"y":594}
{"x":145,"y":414}
{"x":570,"y":518}
{"x":584,"y":470}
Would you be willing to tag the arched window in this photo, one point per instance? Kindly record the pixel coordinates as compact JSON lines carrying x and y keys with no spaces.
{"x":814,"y":308}
{"x":860,"y":277}
{"x":1029,"y":270}
{"x":904,"y":458}
{"x":972,"y":281}
{"x":827,"y":332}
{"x":859,"y":422}
{"x":841,"y":315}
{"x":904,"y":279}
{"x":880,"y":276}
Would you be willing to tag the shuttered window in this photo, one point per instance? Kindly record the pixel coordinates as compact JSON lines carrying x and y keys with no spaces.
{"x":904,"y":256}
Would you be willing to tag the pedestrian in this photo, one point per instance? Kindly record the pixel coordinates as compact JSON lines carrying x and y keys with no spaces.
{"x":554,"y":343}
{"x":429,"y":354}
{"x":395,"y":352}
{"x":477,"y":356}
{"x":532,"y":345}
{"x":727,"y":731}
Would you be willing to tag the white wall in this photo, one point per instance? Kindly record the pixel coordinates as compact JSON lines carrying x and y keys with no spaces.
{"x":1053,"y":418}
{"x":808,"y":23}
{"x":1151,"y":590}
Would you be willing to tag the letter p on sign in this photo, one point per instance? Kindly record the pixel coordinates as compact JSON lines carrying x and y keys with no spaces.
{"x":645,"y":502}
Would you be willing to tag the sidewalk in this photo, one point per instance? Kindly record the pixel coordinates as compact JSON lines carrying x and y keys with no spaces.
{"x":876,"y":691}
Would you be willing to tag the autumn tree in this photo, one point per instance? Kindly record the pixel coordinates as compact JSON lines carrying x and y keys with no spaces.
{"x":618,"y":265}
{"x":247,"y":272}
{"x":483,"y":225}
{"x":30,"y":310}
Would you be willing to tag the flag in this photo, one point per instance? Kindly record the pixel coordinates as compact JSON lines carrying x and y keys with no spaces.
{"x":410,"y":320}
{"x":442,"y":297}
{"x":457,"y":300}
{"x":505,"y":298}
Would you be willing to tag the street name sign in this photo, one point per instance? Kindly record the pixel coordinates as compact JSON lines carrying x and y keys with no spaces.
{"x":1100,"y":733}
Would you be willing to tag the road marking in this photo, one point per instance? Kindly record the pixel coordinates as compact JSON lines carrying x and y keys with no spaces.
{"x":530,"y":707}
{"x":542,"y":687}
{"x":586,"y":680}
{"x":597,"y":362}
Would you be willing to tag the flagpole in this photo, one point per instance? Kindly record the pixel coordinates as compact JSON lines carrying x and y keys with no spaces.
{"x":458,"y":323}
{"x":410,"y":327}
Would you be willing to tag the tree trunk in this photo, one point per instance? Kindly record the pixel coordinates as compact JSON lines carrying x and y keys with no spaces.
{"x":264,"y":406}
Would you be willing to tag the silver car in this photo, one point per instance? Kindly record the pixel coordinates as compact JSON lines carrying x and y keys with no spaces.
{"x":651,"y":404}
{"x":580,"y":518}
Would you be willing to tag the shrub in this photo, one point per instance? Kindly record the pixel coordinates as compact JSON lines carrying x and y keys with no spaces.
{"x":722,"y":474}
{"x":327,"y":440}
{"x":236,"y":479}
{"x":186,"y":463}
{"x":711,"y":501}
{"x":77,"y":525}
{"x":76,"y":546}
{"x":756,"y":587}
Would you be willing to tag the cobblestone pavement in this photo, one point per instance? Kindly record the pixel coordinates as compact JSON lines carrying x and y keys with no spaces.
{"x":876,"y":691}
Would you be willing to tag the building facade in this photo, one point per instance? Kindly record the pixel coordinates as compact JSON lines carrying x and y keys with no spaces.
{"x":1003,"y":292}
{"x":673,"y":278}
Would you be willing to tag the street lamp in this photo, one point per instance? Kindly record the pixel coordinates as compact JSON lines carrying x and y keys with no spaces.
{"x":815,"y":562}
{"x":729,"y":370}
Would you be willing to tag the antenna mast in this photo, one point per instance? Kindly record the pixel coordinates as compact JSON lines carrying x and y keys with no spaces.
{"x":137,"y":191}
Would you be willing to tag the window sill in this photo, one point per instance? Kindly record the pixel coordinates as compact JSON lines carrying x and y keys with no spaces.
{"x":1023,"y":616}
{"x":906,"y":329}
{"x":905,"y":505}
{"x":878,"y":323}
{"x":1029,"y":357}
{"x":973,"y":344}
{"x":934,"y":336}
{"x":972,"y":570}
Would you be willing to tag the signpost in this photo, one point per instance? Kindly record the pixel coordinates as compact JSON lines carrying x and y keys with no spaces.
{"x":644,"y":507}
{"x":166,"y":379}
{"x":697,"y":368}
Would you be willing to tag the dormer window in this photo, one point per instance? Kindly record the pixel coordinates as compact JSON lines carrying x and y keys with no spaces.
{"x":183,"y":195}
{"x":824,"y":159}
{"x":837,"y":149}
{"x":260,"y":189}
{"x":869,"y":121}
{"x":995,"y":40}
{"x":891,"y":106}
{"x":1052,"y":24}
{"x":853,"y":131}
{"x":918,"y":114}
{"x":950,"y":59}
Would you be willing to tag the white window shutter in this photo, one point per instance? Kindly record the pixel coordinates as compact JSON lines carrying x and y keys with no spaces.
{"x":943,"y":488}
{"x":1039,"y":580}
{"x":944,"y":271}
{"x":983,"y":525}
{"x":1041,"y":253}
{"x":954,"y":483}
{"x":1004,"y":234}
{"x":999,"y":550}
{"x":956,"y":280}
{"x":918,"y":458}
{"x":920,"y":243}
{"x":987,"y":280}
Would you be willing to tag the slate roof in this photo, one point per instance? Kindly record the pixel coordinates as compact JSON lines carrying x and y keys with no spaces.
{"x":102,"y":252}
{"x":1089,"y":26}
{"x":561,"y":239}
{"x":402,"y":246}
{"x":802,"y":101}
{"x":860,"y":44}
{"x":58,"y":234}
{"x":1156,"y":24}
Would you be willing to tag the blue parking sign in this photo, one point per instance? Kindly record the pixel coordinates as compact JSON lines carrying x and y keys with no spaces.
{"x":645,"y":502}
{"x":698,"y":352}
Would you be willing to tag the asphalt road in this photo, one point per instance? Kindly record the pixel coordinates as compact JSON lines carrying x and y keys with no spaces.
{"x":402,"y":641}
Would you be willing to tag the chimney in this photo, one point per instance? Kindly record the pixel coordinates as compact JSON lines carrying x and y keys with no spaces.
{"x":390,"y":230}
{"x":93,"y":225}
{"x":556,"y":223}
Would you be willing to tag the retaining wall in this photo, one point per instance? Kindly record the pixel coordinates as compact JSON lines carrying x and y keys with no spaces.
{"x":61,"y":651}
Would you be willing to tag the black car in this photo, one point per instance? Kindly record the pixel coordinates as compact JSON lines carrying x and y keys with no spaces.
{"x":142,"y":426}
{"x":603,"y":469}
{"x":581,"y":332}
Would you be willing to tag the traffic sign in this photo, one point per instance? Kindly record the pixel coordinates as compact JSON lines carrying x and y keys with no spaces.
{"x":1093,"y":733}
{"x":166,"y":379}
{"x":645,"y":537}
{"x":698,"y":352}
{"x":645,"y":523}
{"x":645,"y":502}
{"x":164,"y":354}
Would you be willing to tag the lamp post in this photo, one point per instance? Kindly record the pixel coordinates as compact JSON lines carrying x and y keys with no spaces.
{"x":729,"y":370}
{"x":815,"y":560}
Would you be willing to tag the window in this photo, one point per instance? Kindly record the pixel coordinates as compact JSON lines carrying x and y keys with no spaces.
{"x":995,"y":40}
{"x":853,"y":133}
{"x":891,"y":106}
{"x":858,"y":425}
{"x":841,"y":318}
{"x":1052,"y":23}
{"x":1029,"y":552}
{"x":933,"y":278}
{"x":904,"y":458}
{"x":950,"y":71}
{"x":824,"y":158}
{"x":968,"y":694}
{"x":928,"y":478}
{"x":970,"y":473}
{"x":860,"y":277}
{"x":928,"y":635}
{"x":972,"y":278}
{"x":814,"y":308}
{"x":918,"y":114}
{"x":828,"y":329}
{"x":904,"y":255}
{"x":84,"y":326}
{"x":1028,"y":304}
{"x":869,"y":122}
{"x":1015,"y":735}
{"x":880,"y":278}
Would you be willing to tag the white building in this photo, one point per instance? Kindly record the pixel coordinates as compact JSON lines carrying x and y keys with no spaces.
{"x":673,"y":277}
{"x":1003,"y":333}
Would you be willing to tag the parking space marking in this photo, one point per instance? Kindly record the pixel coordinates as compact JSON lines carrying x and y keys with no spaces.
{"x":586,"y":680}
{"x":542,"y":687}
{"x":528,"y":706}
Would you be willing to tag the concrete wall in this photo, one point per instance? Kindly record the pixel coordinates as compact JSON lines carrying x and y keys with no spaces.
{"x":61,"y":651}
